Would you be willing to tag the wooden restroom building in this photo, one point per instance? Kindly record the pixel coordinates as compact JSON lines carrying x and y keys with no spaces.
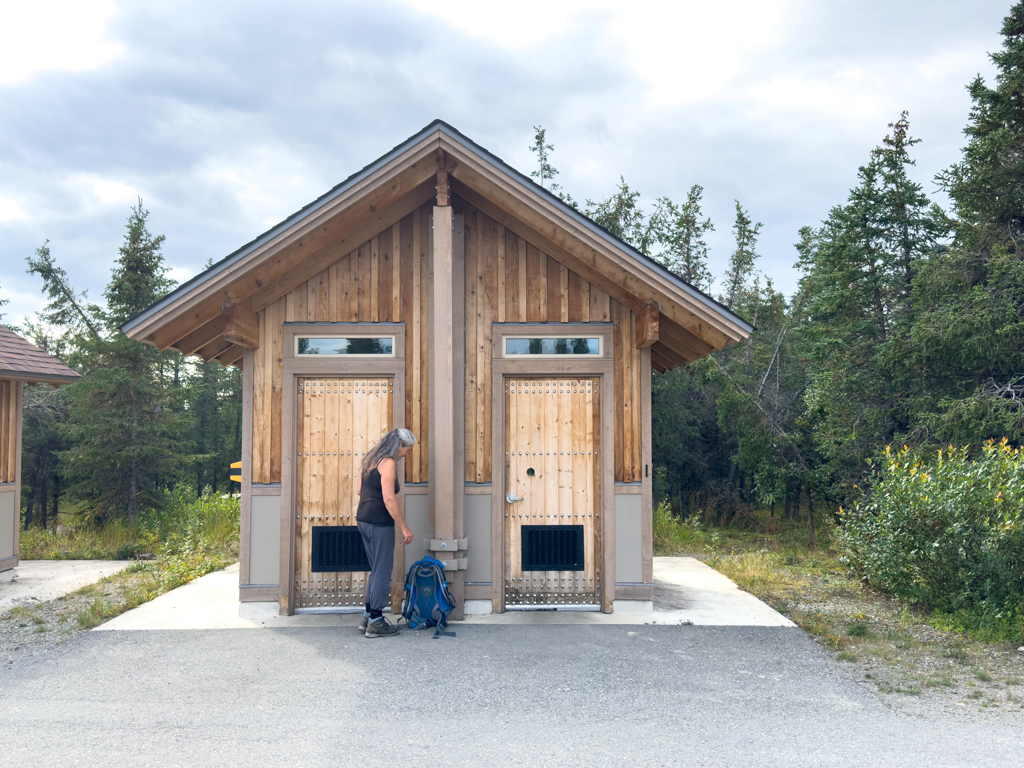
{"x":441,"y":290}
{"x":21,"y":363}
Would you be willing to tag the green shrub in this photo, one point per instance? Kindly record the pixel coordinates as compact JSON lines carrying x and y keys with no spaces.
{"x":672,"y":535}
{"x":947,"y":532}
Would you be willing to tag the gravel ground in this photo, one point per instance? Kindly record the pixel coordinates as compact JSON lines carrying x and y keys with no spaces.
{"x":33,"y":627}
{"x":913,"y":667}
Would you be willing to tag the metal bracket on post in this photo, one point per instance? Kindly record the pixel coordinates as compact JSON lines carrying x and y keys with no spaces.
{"x":446,"y":545}
{"x":458,"y":564}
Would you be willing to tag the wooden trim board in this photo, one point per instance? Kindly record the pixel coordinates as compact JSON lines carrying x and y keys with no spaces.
{"x":245,"y":522}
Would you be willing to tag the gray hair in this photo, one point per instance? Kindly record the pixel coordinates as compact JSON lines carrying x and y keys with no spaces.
{"x":387,"y":448}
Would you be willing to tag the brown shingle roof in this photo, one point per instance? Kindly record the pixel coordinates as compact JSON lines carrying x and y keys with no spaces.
{"x":20,"y":359}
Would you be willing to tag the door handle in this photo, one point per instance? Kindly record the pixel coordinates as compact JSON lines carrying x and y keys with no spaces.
{"x":511,"y":498}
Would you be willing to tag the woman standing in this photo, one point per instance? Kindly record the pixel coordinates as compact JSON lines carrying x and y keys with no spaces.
{"x":376,"y":517}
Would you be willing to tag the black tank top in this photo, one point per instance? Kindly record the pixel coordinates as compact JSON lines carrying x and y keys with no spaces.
{"x":371,"y":507}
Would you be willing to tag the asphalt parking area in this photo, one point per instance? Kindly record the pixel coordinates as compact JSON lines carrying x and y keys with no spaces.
{"x":560,"y":695}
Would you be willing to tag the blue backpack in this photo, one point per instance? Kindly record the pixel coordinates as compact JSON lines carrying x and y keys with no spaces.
{"x":427,"y":601}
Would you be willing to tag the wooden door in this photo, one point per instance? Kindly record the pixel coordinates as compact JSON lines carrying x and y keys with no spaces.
{"x":552,"y":461}
{"x":339,"y":420}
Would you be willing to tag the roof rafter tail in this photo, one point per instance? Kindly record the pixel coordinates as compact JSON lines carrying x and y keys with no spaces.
{"x":668,"y":357}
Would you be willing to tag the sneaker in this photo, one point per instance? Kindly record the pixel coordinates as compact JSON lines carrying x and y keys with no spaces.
{"x":381,"y":628}
{"x":364,"y":622}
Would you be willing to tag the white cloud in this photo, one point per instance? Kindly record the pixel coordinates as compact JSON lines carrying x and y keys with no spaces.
{"x":683,"y":50}
{"x":46,"y":35}
{"x":11,"y":210}
{"x":110,"y":191}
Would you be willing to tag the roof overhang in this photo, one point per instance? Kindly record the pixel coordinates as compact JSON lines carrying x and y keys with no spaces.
{"x":34,"y":378}
{"x":204,"y":315}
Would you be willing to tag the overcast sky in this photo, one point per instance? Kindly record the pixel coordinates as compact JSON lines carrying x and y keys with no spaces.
{"x":226,"y":117}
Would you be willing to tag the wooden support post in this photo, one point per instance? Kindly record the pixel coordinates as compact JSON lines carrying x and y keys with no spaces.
{"x":442,"y":187}
{"x":647,"y":322}
{"x":442,"y":394}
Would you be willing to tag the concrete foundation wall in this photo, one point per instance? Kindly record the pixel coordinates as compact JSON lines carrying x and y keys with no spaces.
{"x":265,"y":540}
{"x":8,"y":527}
{"x":477,"y":525}
{"x":417,"y":517}
{"x":629,"y":567}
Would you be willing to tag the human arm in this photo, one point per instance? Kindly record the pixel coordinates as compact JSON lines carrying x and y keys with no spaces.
{"x":388,"y":469}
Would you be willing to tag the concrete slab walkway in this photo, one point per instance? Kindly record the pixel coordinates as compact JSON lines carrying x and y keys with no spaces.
{"x":42,"y":580}
{"x":685,"y":592}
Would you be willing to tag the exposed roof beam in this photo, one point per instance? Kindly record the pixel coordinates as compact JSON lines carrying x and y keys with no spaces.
{"x":678,"y":338}
{"x":230,"y":356}
{"x":670,"y":356}
{"x":659,"y":363}
{"x":647,"y":327}
{"x":192,"y":342}
{"x":214,"y":349}
{"x":236,"y":324}
{"x":242,"y":327}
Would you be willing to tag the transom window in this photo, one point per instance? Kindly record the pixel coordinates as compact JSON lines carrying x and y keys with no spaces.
{"x":350,"y":346}
{"x":551,"y":346}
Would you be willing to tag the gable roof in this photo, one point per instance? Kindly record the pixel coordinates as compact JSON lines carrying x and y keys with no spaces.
{"x":391,"y":187}
{"x":21,"y":359}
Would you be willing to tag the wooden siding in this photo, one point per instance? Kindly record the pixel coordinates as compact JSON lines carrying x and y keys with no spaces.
{"x":509,"y":280}
{"x":384,"y":280}
{"x":10,"y":423}
{"x":387,"y":279}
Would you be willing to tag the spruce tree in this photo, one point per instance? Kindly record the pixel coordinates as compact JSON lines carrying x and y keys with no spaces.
{"x":969,"y":333}
{"x":858,"y":292}
{"x":123,"y":436}
{"x":741,"y":262}
{"x":622,"y":215}
{"x":680,"y":231}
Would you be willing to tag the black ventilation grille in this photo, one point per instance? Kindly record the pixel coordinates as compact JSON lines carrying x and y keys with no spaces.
{"x":338,"y":548}
{"x":552,"y":547}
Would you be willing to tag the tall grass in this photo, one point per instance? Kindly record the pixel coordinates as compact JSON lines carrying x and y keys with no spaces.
{"x":184,"y":524}
{"x":673,"y":536}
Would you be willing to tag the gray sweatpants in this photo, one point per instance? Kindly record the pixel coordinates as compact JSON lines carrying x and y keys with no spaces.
{"x":379,"y":543}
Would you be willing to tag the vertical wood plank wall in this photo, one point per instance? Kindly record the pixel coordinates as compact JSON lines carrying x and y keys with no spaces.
{"x":386,"y":279}
{"x":508,"y":280}
{"x":9,"y":426}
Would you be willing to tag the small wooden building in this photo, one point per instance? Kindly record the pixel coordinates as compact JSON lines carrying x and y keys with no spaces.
{"x":20,"y":363}
{"x":441,"y":290}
